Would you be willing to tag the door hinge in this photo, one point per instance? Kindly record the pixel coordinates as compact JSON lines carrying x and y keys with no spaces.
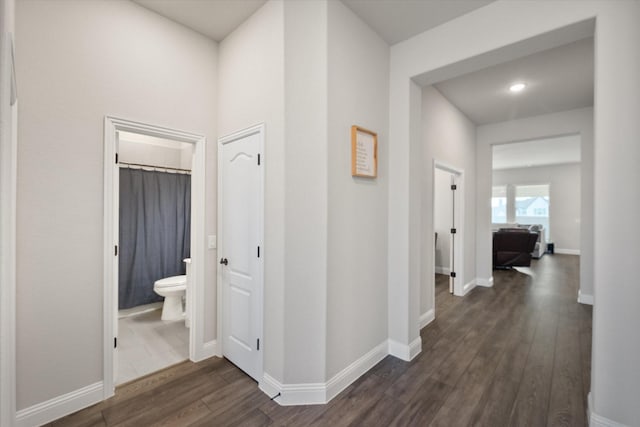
{"x":453,"y":231}
{"x":258,"y":159}
{"x":116,"y":158}
{"x":454,"y":187}
{"x":116,"y":250}
{"x":258,"y":344}
{"x":453,"y":274}
{"x":258,"y":251}
{"x":115,"y":342}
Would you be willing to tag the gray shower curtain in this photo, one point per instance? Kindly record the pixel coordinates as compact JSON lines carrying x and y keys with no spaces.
{"x":155,"y":228}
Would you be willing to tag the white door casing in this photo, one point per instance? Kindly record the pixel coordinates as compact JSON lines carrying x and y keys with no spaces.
{"x":452,"y":235}
{"x":240,"y":247}
{"x":197,"y":346}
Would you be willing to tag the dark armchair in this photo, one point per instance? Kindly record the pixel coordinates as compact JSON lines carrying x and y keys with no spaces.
{"x":513,"y":247}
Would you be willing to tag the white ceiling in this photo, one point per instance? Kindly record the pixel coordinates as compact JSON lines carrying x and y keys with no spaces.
{"x":213,"y":18}
{"x":393,"y":20}
{"x":557,"y":79}
{"x":398,"y":20}
{"x":539,"y":152}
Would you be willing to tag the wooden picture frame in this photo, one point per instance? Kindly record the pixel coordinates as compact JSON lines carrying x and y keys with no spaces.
{"x":364,"y":152}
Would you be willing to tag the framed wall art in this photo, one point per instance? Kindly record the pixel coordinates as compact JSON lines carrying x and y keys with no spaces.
{"x":364,"y":152}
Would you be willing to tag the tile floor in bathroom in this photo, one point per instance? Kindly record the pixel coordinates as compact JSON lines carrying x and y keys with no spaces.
{"x":147,"y":344}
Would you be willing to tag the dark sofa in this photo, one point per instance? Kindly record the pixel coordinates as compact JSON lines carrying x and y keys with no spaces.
{"x":512,"y":247}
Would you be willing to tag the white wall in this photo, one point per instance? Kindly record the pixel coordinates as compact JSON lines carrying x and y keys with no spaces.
{"x":568,"y":122}
{"x":306,"y":191}
{"x":251,"y":91}
{"x":8,"y":173}
{"x":448,"y":136}
{"x":457,"y":47}
{"x":327,"y":217}
{"x":357,"y":215}
{"x":74,"y":69}
{"x":615,"y":374}
{"x":565,"y":204}
{"x":442,"y":219}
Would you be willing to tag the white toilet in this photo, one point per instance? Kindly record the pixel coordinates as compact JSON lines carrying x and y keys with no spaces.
{"x":173,"y":290}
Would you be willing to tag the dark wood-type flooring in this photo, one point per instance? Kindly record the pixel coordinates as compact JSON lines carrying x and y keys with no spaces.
{"x":517,"y":354}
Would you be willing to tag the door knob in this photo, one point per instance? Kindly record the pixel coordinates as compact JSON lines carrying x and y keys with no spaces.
{"x":224,"y":261}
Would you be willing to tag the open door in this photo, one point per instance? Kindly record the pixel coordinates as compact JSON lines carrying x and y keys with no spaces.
{"x":448,"y":214}
{"x":452,"y":246}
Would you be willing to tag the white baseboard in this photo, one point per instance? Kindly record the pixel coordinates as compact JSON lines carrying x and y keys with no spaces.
{"x":566,"y":251}
{"x":320,"y":393}
{"x":585,"y":298}
{"x":301,"y":394}
{"x":294,"y":394}
{"x":208,"y":349}
{"x":485,"y":283}
{"x":270,"y":386}
{"x":348,"y":375}
{"x":403,"y":351}
{"x":442,"y":270}
{"x":468,"y":287}
{"x":60,"y":406}
{"x":415,"y":348}
{"x":596,"y":420}
{"x":478,"y":281}
{"x":427,"y":318}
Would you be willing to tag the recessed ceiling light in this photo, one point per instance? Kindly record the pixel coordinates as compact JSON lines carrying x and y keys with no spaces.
{"x":517,"y":87}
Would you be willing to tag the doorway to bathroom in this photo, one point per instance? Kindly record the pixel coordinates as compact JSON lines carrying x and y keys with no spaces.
{"x":154,"y":227}
{"x":154,"y":253}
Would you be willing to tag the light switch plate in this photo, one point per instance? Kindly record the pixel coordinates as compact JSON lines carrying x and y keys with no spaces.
{"x":212,"y":242}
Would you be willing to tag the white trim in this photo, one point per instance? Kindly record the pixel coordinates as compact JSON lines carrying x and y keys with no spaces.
{"x":442,"y":270}
{"x":468,"y":287}
{"x":427,"y":317}
{"x":60,"y":406}
{"x":485,"y":283}
{"x":567,"y":251}
{"x":208,"y":349}
{"x":270,"y":386}
{"x":321,"y":393}
{"x":585,"y":298}
{"x":415,"y":348}
{"x":199,"y":249}
{"x":348,"y":375}
{"x":403,"y":351}
{"x":596,"y":420}
{"x":8,"y":185}
{"x":302,"y":394}
{"x":260,"y":129}
{"x":112,"y":125}
{"x":478,"y":281}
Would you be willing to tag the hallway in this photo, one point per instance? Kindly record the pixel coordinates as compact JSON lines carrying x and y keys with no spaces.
{"x":515,"y":354}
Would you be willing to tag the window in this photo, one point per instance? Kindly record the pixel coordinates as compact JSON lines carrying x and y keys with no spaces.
{"x":499,"y":204}
{"x":532,"y":205}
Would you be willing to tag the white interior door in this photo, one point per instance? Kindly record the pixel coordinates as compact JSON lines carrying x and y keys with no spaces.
{"x":240,"y":252}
